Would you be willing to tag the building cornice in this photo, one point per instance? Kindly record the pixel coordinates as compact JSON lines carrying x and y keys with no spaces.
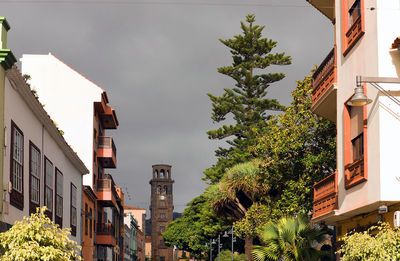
{"x":18,"y":83}
{"x":7,"y":58}
{"x":90,"y":193}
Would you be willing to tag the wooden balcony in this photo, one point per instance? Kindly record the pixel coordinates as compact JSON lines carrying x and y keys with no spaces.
{"x":107,"y":152}
{"x":325,"y":195}
{"x":353,"y":34}
{"x":106,"y":193}
{"x":354,"y":174}
{"x":109,"y":118}
{"x":324,"y":88}
{"x":326,"y":7}
{"x":105,"y":234}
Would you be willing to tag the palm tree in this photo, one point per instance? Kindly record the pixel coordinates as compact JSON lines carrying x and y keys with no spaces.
{"x":289,"y":239}
{"x":239,"y":188}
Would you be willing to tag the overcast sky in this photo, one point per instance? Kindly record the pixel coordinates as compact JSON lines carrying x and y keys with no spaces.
{"x":157,"y":60}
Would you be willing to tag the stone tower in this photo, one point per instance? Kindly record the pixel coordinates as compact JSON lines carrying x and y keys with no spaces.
{"x":161,"y":209}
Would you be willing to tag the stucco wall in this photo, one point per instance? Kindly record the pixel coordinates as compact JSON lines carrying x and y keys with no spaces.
{"x":68,"y":97}
{"x":18,"y":111}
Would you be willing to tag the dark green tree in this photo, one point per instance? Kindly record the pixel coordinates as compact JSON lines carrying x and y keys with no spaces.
{"x":246,"y":103}
{"x":198,"y":224}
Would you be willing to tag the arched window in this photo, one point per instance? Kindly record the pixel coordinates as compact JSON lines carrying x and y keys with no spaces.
{"x":155,"y":175}
{"x":162,"y":174}
{"x":168,"y":175}
{"x":165,"y":190}
{"x":159,"y":189}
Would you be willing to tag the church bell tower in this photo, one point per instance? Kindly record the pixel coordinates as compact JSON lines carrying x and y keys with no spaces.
{"x":161,"y":209}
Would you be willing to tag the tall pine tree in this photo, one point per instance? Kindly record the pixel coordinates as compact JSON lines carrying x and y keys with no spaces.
{"x":246,"y":102}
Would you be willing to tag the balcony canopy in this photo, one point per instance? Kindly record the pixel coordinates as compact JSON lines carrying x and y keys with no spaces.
{"x":326,"y":7}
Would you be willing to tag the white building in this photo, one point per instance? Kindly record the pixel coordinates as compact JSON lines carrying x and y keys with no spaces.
{"x":368,"y":142}
{"x":81,"y":110}
{"x":39,"y":167}
{"x":59,"y":87}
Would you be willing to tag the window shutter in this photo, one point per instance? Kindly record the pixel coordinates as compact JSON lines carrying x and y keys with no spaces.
{"x":356,"y":121}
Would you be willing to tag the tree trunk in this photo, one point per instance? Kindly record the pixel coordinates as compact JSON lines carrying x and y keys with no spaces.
{"x":248,"y":247}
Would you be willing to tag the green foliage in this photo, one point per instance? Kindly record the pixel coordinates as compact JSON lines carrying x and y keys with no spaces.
{"x":197,"y":225}
{"x":254,"y":220}
{"x":37,"y":238}
{"x":289,"y":239}
{"x":237,"y":190}
{"x":245,"y":102}
{"x":296,"y":149}
{"x":226,"y":255}
{"x":377,"y":243}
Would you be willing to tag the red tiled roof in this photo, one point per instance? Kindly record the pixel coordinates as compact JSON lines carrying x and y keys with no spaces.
{"x":133,"y":208}
{"x":396,"y":43}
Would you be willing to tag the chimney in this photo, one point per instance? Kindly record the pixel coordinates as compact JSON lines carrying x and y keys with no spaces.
{"x":4,"y":29}
{"x":7,"y":58}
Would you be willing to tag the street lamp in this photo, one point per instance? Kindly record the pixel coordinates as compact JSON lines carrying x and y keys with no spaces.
{"x":233,"y":239}
{"x":360,"y":99}
{"x":212,"y":241}
{"x":219,"y":247}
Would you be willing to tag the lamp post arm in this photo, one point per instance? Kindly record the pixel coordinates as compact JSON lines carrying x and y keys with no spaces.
{"x":374,"y":82}
{"x":388,"y":94}
{"x":367,"y":79}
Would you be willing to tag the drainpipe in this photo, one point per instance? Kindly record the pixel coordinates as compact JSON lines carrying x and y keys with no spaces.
{"x":7,"y":59}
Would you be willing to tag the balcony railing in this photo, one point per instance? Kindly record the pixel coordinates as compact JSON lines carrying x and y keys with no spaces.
{"x":106,"y":192}
{"x":105,"y":234}
{"x":325,"y":195}
{"x":107,"y":152}
{"x":105,"y":229}
{"x":107,"y":143}
{"x":324,"y":76}
{"x":354,"y":173}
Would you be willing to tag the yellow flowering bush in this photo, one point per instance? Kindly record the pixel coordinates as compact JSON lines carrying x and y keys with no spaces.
{"x":377,"y":243}
{"x":37,"y":238}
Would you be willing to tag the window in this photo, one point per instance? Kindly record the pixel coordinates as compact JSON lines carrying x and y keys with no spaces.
{"x":354,"y":11}
{"x":159,"y":189}
{"x":91,"y":224}
{"x":356,"y":132}
{"x":86,"y":219}
{"x":17,"y":167}
{"x":73,"y":210}
{"x":352,"y":23}
{"x":34,"y":178}
{"x":48,"y":192}
{"x":163,"y":215}
{"x":358,"y":147}
{"x":165,"y":189}
{"x":59,"y":197}
{"x":162,"y":229}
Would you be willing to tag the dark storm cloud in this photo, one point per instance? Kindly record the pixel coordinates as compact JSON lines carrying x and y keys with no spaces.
{"x":157,"y":62}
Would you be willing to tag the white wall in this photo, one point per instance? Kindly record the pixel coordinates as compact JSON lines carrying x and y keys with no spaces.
{"x":371,"y":56}
{"x":68,"y":97}
{"x":389,"y":66}
{"x":17,"y":110}
{"x":361,"y":60}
